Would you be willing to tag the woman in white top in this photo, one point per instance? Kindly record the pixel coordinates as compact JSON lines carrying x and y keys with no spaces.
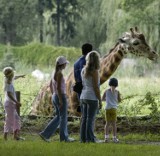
{"x":90,"y":97}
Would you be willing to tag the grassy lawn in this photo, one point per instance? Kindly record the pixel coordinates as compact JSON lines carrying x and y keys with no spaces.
{"x":34,"y":146}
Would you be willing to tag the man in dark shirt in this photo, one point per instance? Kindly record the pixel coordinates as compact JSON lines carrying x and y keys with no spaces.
{"x":79,"y":64}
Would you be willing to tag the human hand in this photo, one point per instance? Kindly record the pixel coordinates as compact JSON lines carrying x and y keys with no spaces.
{"x":23,"y":76}
{"x":100,"y":104}
{"x":18,"y":104}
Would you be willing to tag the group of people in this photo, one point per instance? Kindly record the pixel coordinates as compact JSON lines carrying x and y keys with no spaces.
{"x":87,"y":86}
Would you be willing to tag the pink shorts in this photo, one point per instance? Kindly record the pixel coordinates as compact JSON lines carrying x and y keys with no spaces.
{"x":12,"y":119}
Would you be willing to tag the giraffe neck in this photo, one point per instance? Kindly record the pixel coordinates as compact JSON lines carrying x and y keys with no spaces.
{"x":110,"y":62}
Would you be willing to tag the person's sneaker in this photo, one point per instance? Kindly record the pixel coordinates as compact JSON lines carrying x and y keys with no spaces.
{"x":47,"y":140}
{"x":70,"y":140}
{"x":19,"y":139}
{"x":115,"y":140}
{"x":106,"y":140}
{"x":99,"y":141}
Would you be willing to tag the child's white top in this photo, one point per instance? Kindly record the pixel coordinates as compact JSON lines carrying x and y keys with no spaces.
{"x":111,"y":99}
{"x":9,"y":88}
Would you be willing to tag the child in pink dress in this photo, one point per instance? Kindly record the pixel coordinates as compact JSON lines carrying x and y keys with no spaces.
{"x":12,"y":119}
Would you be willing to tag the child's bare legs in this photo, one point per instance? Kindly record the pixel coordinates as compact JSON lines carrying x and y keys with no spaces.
{"x":16,"y":134}
{"x":107,"y":125}
{"x":114,"y":127}
{"x":107,"y":128}
{"x":5,"y":135}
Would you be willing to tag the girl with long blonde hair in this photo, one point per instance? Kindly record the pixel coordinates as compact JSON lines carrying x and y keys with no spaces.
{"x":90,"y":98}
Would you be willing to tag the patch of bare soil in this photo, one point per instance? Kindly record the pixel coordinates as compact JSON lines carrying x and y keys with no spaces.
{"x":124,"y":125}
{"x":134,"y":125}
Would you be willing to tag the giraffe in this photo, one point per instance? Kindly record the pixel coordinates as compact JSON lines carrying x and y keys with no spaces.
{"x":132,"y":42}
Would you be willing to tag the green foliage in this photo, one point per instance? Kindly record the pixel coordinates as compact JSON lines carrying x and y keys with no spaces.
{"x":124,"y":14}
{"x":134,"y":91}
{"x":17,"y":20}
{"x":41,"y":55}
{"x":134,"y":5}
{"x":150,"y":101}
{"x":76,"y":22}
{"x":91,"y":27}
{"x":8,"y":58}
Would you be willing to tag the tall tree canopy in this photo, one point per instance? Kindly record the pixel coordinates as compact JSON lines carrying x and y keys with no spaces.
{"x":73,"y":22}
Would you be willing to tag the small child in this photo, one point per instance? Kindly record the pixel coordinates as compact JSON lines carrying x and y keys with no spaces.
{"x":112,"y":97}
{"x":12,"y":119}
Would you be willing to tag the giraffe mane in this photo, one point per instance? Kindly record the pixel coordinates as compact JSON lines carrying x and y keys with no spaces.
{"x":111,"y":50}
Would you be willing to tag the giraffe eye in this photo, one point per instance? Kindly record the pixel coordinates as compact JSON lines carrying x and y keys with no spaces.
{"x":135,"y":43}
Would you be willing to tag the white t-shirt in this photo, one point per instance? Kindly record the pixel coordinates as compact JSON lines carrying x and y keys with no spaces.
{"x":88,"y":92}
{"x":111,"y":99}
{"x":9,"y":88}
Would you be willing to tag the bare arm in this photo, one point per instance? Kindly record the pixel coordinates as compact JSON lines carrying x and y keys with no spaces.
{"x":119,"y":97}
{"x":59,"y":79}
{"x":10,"y":95}
{"x":19,"y":76}
{"x":104,"y":96}
{"x":95,"y":77}
{"x":50,"y":86}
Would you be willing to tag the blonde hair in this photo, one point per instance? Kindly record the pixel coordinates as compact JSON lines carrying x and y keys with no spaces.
{"x":8,"y":76}
{"x":8,"y":71}
{"x":92,"y":62}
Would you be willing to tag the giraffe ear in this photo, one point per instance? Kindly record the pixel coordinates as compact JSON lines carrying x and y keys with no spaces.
{"x":136,"y":29}
{"x":132,"y":32}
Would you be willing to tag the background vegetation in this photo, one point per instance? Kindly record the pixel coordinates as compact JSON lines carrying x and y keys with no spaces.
{"x":71,"y":23}
{"x":34,"y":32}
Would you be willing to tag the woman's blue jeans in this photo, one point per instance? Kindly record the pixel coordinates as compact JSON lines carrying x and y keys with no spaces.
{"x":89,"y":111}
{"x":60,"y":120}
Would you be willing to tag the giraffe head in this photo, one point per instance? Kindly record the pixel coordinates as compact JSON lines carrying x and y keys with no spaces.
{"x":135,"y":43}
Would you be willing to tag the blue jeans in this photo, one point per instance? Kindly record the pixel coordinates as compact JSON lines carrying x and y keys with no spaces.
{"x":59,"y":119}
{"x":89,"y":110}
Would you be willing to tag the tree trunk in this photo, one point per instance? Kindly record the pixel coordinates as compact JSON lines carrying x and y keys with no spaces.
{"x":58,"y":22}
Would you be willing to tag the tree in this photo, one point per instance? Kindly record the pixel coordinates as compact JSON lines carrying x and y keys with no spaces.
{"x":92,"y":26}
{"x":147,"y":14}
{"x":8,"y":58}
{"x":17,"y":21}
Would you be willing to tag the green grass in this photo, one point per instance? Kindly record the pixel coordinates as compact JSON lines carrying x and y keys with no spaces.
{"x":34,"y":146}
{"x":40,"y":55}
